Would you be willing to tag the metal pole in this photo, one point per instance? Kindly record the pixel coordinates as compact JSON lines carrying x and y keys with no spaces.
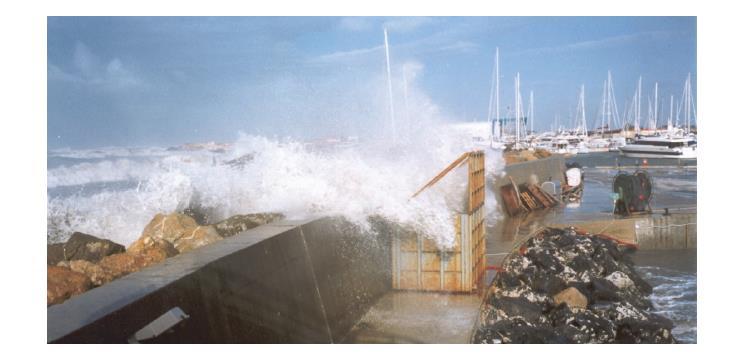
{"x":497,"y":86}
{"x":639,"y":104}
{"x":389,"y":87}
{"x":531,"y":110}
{"x":655,"y":115}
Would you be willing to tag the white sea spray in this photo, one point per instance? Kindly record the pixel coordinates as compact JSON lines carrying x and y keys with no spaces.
{"x":369,"y":176}
{"x":282,"y":176}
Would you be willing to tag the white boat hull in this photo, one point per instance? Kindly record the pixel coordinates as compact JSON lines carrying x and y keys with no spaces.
{"x":648,"y":151}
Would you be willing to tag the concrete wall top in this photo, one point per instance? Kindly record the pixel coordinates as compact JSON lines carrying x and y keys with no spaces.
{"x":273,"y":283}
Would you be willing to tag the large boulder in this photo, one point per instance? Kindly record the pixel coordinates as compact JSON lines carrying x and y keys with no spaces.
{"x":90,"y":248}
{"x":123,"y":264}
{"x":180,"y":230}
{"x":571,"y":297}
{"x":97,"y":275}
{"x":54,"y":254}
{"x":170,"y":227}
{"x":155,"y":254}
{"x":201,"y":236}
{"x":239,"y":223}
{"x":119,"y":265}
{"x":63,"y":283}
{"x":146,"y":242}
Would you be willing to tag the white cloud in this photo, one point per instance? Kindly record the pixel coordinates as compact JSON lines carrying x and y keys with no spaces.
{"x":412,"y":70}
{"x":57,"y":74}
{"x":393,"y":24}
{"x":431,"y":44}
{"x":85,"y":61}
{"x":88,"y":69}
{"x":460,"y":46}
{"x":355,"y":23}
{"x":600,"y":43}
{"x":405,"y":24}
{"x":340,"y":56}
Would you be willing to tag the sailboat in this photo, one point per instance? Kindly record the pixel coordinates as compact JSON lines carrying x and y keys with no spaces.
{"x":672,"y":144}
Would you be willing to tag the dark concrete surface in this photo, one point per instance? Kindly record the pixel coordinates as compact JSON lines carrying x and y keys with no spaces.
{"x":285,"y":282}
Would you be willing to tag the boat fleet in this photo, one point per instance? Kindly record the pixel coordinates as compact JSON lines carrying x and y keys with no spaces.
{"x":629,"y":134}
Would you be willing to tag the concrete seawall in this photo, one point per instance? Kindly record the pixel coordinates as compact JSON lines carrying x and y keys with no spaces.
{"x":650,"y":232}
{"x":285,"y":282}
{"x":667,"y":232}
{"x":548,"y":169}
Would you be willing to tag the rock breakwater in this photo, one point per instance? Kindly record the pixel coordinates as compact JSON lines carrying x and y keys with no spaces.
{"x":564,"y":286}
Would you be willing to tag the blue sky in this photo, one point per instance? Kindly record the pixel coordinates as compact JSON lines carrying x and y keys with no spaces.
{"x":163,"y":81}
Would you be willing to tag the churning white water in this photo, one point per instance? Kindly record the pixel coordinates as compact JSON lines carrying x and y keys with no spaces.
{"x":114,"y":192}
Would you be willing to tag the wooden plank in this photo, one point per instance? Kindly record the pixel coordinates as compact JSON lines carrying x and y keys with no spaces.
{"x":539,"y":195}
{"x":438,"y":177}
{"x":516,"y":189}
{"x":510,"y":200}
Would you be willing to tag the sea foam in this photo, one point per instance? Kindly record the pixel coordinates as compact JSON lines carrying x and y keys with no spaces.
{"x":367,"y":178}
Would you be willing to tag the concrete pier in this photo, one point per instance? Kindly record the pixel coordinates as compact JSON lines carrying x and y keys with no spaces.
{"x":313,"y":281}
{"x":285,"y":282}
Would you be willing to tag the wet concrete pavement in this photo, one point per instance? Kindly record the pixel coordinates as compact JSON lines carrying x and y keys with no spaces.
{"x":418,"y":317}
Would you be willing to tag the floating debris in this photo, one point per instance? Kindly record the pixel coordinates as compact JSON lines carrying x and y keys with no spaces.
{"x":564,"y":286}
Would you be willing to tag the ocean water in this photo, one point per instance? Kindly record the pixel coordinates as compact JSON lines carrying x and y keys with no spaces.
{"x":114,"y":192}
{"x":673,"y":275}
{"x":614,"y":159}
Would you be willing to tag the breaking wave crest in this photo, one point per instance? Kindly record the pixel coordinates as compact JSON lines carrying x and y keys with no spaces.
{"x":258,"y":174}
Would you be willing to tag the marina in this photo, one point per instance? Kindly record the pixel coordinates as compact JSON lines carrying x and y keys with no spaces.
{"x":344,"y":198}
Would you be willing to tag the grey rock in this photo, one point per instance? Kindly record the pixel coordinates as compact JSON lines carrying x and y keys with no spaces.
{"x":89,"y":248}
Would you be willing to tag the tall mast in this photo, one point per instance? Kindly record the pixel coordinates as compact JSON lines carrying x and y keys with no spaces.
{"x":669,"y":127}
{"x":517,"y":98}
{"x":687,"y":104}
{"x":603,"y":108}
{"x":612,"y":101}
{"x":389,"y":87}
{"x":492,"y":88}
{"x":639,"y":106}
{"x":405,"y":94}
{"x":497,"y":85}
{"x":531,"y":110}
{"x":583,"y":109}
{"x":650,"y":113}
{"x":655,"y":114}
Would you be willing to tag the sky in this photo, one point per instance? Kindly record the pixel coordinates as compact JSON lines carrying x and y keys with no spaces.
{"x":144,"y":81}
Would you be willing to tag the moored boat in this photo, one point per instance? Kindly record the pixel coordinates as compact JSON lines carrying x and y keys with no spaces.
{"x":661,"y":147}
